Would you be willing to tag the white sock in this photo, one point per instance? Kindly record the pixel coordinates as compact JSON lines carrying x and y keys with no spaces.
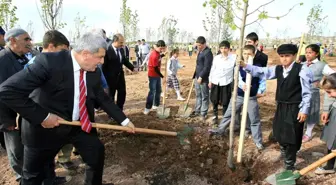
{"x":309,"y":130}
{"x":178,"y":93}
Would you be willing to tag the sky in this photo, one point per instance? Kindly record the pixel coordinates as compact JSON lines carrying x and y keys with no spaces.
{"x":190,"y":13}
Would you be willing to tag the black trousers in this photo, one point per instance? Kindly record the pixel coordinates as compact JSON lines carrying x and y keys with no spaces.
{"x":220,"y":95}
{"x":88,"y":146}
{"x":119,"y":86}
{"x":331,"y":162}
{"x":289,"y":153}
{"x":2,"y":140}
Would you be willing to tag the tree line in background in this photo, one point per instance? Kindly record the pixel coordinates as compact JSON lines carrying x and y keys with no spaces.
{"x":219,"y":22}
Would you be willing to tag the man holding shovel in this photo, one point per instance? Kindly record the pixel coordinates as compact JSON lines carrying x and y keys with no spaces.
{"x":72,"y":99}
{"x":293,"y":96}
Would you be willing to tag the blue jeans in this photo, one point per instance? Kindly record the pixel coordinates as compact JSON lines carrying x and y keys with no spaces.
{"x":202,"y":98}
{"x":154,"y":92}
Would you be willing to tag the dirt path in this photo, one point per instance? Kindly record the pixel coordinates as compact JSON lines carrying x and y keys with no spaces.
{"x":156,"y":160}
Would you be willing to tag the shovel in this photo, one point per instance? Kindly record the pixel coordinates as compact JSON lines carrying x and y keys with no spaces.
{"x":289,"y":177}
{"x":182,"y":136}
{"x":185,"y":111}
{"x":163,"y":112}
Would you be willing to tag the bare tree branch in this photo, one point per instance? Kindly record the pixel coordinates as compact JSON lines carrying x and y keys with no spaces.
{"x":224,"y":7}
{"x":257,"y":9}
{"x":236,"y":16}
{"x":252,"y":22}
{"x":278,"y":17}
{"x":238,"y":8}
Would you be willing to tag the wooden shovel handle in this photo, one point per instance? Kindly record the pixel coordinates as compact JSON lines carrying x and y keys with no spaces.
{"x":191,"y":88}
{"x":300,"y":47}
{"x":165,"y":81}
{"x":121,"y":128}
{"x":318,"y":163}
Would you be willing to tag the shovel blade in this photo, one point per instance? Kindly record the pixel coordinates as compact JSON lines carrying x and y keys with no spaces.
{"x":163,"y":112}
{"x":286,"y":178}
{"x":184,"y":111}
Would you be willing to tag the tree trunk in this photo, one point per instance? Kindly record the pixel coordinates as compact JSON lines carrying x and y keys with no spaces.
{"x":236,"y":74}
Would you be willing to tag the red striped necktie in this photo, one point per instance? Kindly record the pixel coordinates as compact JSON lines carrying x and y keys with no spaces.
{"x":83,"y":114}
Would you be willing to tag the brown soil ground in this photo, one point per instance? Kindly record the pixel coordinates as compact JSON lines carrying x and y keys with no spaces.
{"x":140,"y":159}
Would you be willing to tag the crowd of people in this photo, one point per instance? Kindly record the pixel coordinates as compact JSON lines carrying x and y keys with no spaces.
{"x":63,"y":82}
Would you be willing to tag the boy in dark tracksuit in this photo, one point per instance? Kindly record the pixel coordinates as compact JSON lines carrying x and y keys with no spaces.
{"x":293,"y":96}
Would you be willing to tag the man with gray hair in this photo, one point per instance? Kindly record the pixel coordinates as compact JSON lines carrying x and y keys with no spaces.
{"x":12,"y":60}
{"x":69,"y":87}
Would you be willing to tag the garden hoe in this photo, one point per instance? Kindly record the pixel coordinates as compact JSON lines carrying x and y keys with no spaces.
{"x":182,"y":136}
{"x":163,"y":112}
{"x":185,"y":111}
{"x":289,"y":177}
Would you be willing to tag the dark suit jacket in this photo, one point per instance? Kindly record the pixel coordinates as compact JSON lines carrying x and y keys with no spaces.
{"x":112,"y":67}
{"x":260,"y":59}
{"x":203,"y":64}
{"x":9,"y":65}
{"x":53,"y":77}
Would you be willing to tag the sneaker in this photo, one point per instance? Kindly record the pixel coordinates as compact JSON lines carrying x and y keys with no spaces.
{"x":260,"y":146}
{"x":146,"y":111}
{"x":194,"y":114}
{"x":323,"y":171}
{"x":180,"y":98}
{"x":62,"y":180}
{"x":154,"y":107}
{"x":306,"y":138}
{"x":214,"y":120}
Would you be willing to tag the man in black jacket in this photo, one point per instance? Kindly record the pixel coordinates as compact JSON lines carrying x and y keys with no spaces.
{"x":2,"y":44}
{"x":114,"y":60}
{"x":201,"y":76}
{"x":12,"y":60}
{"x":68,"y":86}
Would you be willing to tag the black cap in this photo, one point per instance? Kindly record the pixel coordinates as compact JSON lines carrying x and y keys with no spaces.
{"x":287,"y":49}
{"x":2,"y":31}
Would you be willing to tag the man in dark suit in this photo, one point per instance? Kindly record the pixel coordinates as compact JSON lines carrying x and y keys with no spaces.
{"x":201,"y":76}
{"x":12,"y":60}
{"x":66,"y":86}
{"x":2,"y":44}
{"x":114,"y":60}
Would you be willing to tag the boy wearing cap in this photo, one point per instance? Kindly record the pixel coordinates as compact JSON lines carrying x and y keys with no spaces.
{"x":293,"y":96}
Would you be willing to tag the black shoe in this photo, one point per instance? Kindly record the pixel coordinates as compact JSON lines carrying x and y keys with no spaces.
{"x":194,"y":114}
{"x":67,"y":165}
{"x":62,"y":180}
{"x":107,"y":184}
